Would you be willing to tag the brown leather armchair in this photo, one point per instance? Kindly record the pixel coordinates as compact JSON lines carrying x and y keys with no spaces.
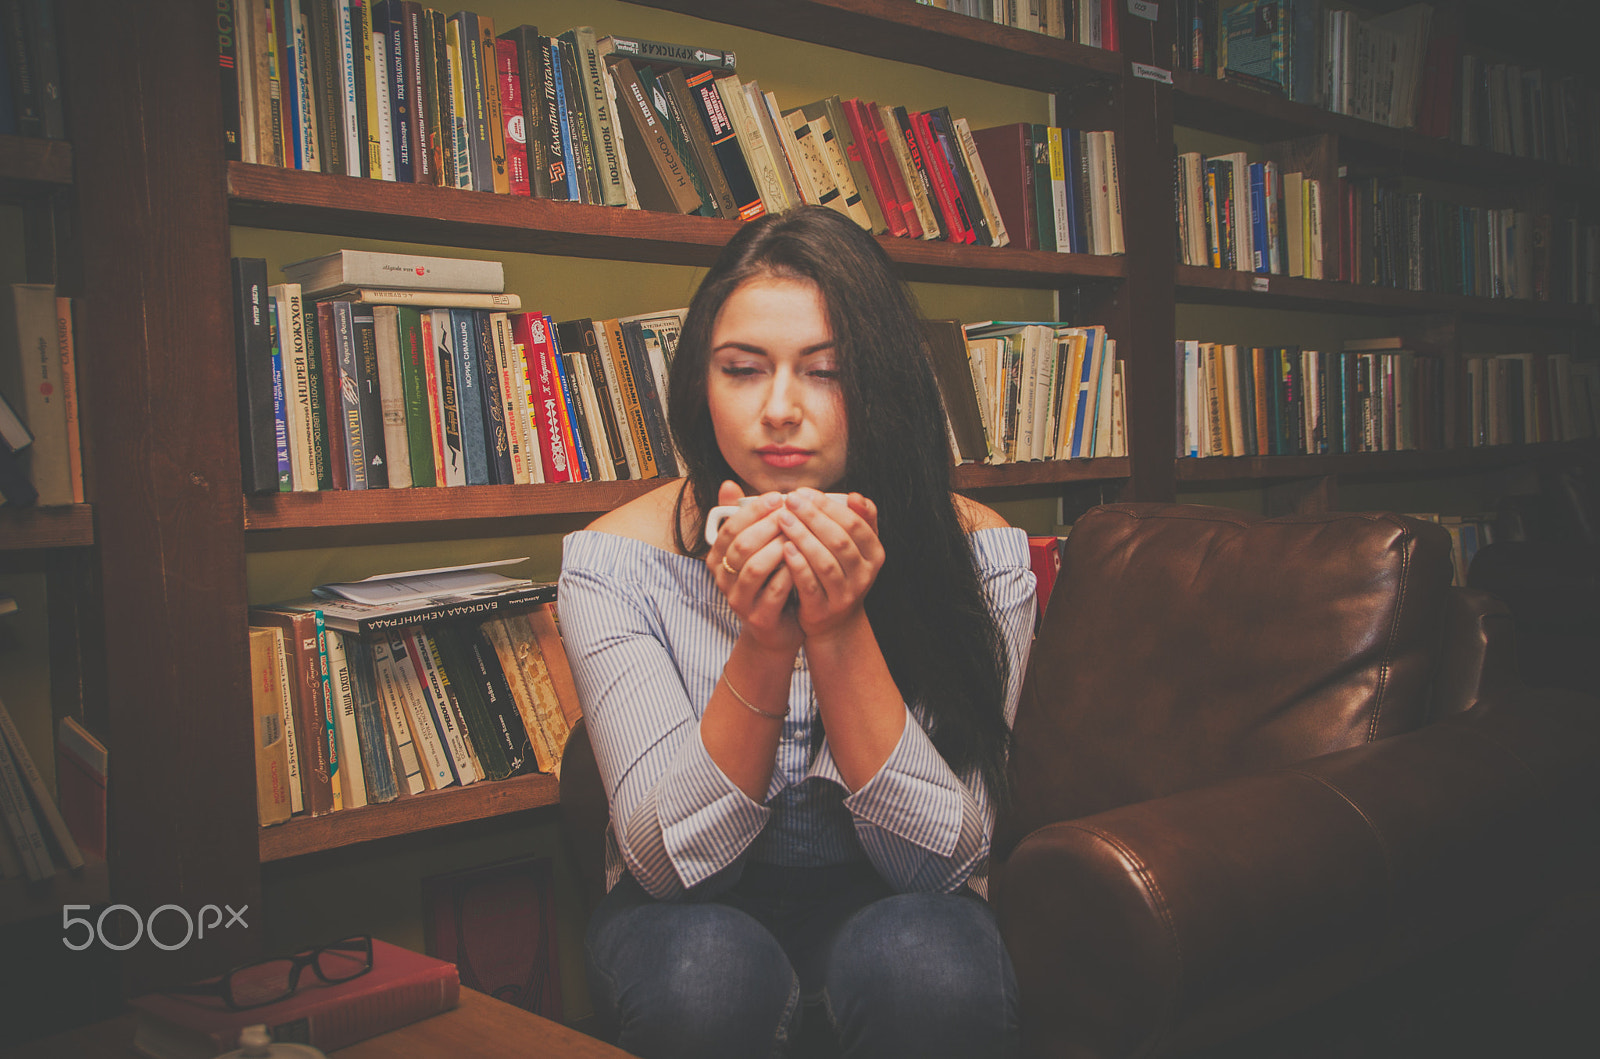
{"x":1259,"y":761}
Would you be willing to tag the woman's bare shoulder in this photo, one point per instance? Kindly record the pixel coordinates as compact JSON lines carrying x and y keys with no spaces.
{"x":975,"y":516}
{"x":646,"y":518}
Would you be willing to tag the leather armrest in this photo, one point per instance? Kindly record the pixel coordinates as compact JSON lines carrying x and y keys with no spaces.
{"x":1183,"y":921}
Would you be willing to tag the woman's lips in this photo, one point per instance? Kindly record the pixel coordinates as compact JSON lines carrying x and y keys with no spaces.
{"x":784,"y":457}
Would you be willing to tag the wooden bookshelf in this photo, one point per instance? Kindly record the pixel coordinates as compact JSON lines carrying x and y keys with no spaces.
{"x":405,"y":816}
{"x":1217,"y":106}
{"x":22,"y":899}
{"x":30,"y":167}
{"x":1217,"y":286}
{"x":46,"y":527}
{"x":906,"y":32}
{"x":269,"y":197}
{"x":1438,"y":461}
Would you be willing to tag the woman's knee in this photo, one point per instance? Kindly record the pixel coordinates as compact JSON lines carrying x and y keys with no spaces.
{"x":692,"y":980}
{"x":925,"y":971}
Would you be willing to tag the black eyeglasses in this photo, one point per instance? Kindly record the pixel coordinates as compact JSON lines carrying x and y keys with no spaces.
{"x":255,"y":985}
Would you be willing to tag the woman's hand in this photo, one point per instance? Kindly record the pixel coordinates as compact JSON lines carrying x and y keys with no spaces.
{"x":832,"y":554}
{"x":747,"y":563}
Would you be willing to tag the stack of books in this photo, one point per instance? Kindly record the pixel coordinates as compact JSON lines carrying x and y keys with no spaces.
{"x":406,"y":683}
{"x":615,"y":121}
{"x":41,"y":453}
{"x":1018,"y":391}
{"x":1057,"y":188}
{"x":1525,"y":398}
{"x":371,"y":370}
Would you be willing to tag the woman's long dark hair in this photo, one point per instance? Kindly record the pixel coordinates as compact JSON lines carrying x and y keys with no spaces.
{"x":927,"y":608}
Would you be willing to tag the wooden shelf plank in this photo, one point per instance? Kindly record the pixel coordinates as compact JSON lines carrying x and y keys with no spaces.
{"x":404,"y":816}
{"x":1047,"y":472}
{"x":1233,"y":110}
{"x":21,"y":900}
{"x":471,"y":503}
{"x":30,"y":167}
{"x":1216,"y":286}
{"x":911,"y":33}
{"x":70,"y":526}
{"x":290,"y":200}
{"x":1258,"y":468}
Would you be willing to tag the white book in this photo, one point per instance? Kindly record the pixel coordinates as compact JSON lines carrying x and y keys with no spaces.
{"x":432,"y":755}
{"x":446,"y":718}
{"x":513,"y":401}
{"x":352,"y":790}
{"x":391,"y":391}
{"x":1191,"y":398}
{"x":1105,"y":400}
{"x":346,"y":269}
{"x":355,"y":148}
{"x":397,"y":723}
{"x":1119,"y":411}
{"x":601,"y":462}
{"x":530,"y":437}
{"x":763,"y":107}
{"x":44,"y":392}
{"x":758,"y":157}
{"x":19,"y":818}
{"x":1111,"y":188}
{"x":980,"y":182}
{"x":384,"y":134}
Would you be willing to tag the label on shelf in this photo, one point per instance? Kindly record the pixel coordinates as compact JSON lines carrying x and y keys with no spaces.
{"x":1145,"y":9}
{"x":1259,"y":284}
{"x":1152,"y":73}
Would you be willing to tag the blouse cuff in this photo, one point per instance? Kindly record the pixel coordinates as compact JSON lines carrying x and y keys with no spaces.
{"x":706,"y":820}
{"x":913,"y":796}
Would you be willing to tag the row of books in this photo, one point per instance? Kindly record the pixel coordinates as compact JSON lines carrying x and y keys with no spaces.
{"x":1406,"y":68}
{"x":41,"y":452}
{"x":1091,"y":22}
{"x":1416,"y":241}
{"x":1238,"y":400}
{"x":586,"y":118}
{"x":30,"y":71}
{"x":1017,"y":391}
{"x":357,"y":387}
{"x":1525,"y":398}
{"x":1375,"y":395}
{"x":1237,"y":214}
{"x":38,"y":836}
{"x":357,"y":708}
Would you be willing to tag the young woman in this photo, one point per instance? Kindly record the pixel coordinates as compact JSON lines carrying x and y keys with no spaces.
{"x":802,"y":725}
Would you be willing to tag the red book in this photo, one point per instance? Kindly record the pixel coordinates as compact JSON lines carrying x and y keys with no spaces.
{"x":1044,"y":555}
{"x":862,"y":130}
{"x":1007,"y":153}
{"x":891,"y":165}
{"x":1110,"y":39}
{"x":530,"y":331}
{"x":403,"y":987}
{"x":505,"y":53}
{"x":958,"y":226}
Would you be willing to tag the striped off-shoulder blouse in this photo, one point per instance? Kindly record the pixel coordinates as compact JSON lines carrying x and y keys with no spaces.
{"x":647,"y":633}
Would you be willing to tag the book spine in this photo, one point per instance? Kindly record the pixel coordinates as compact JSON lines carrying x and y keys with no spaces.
{"x":379,"y":327}
{"x":513,"y":398}
{"x":496,"y":432}
{"x":515,"y":122}
{"x":342,"y":389}
{"x":414,"y":29}
{"x":495,"y":633}
{"x":596,"y":333}
{"x":375,"y":448}
{"x":352,"y":87}
{"x":492,"y":125}
{"x":475,"y":97}
{"x":477,"y":728}
{"x":649,"y":399}
{"x":342,"y":704}
{"x":312,"y":724}
{"x":377,"y":764}
{"x":323,"y":26}
{"x":38,"y":342}
{"x":396,"y":715}
{"x":452,"y":457}
{"x":602,"y":120}
{"x":414,"y":355}
{"x":562,"y":120}
{"x":436,"y":97}
{"x":531,"y":61}
{"x":579,"y":134}
{"x":253,"y":357}
{"x":228,"y":65}
{"x":430,"y":670}
{"x":658,"y":171}
{"x":725,"y":145}
{"x":455,"y":91}
{"x":571,"y":409}
{"x":532,"y":334}
{"x":695,"y":145}
{"x":469,"y":405}
{"x":433,"y":757}
{"x":579,"y":336}
{"x":280,"y":403}
{"x":495,"y":686}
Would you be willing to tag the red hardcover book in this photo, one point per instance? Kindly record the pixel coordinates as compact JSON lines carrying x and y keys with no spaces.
{"x":544,"y":393}
{"x":403,"y":987}
{"x":1110,"y":38}
{"x":958,"y":226}
{"x":891,"y":166}
{"x":1044,"y":555}
{"x":1007,"y":153}
{"x":866,"y":142}
{"x":505,"y":53}
{"x":497,"y":924}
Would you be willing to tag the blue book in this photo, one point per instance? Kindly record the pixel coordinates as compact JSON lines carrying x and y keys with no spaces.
{"x":280,"y":410}
{"x":1082,"y":422}
{"x":557,"y":72}
{"x":569,"y":394}
{"x":1260,"y":247}
{"x":1072,"y":162}
{"x":464,"y":331}
{"x":1305,"y":23}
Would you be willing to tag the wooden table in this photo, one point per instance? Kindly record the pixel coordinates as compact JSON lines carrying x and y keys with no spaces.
{"x":480,"y":1028}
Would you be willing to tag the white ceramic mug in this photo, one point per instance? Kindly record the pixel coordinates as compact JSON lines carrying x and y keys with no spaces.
{"x":718,"y":515}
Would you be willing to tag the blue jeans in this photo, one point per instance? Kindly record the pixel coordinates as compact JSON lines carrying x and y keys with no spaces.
{"x":888,"y":974}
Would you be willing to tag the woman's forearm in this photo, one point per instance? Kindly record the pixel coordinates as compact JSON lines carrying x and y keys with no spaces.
{"x":743,"y":719}
{"x":857,"y":698}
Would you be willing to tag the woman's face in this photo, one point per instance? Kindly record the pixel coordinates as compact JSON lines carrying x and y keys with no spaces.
{"x":773,"y":387}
